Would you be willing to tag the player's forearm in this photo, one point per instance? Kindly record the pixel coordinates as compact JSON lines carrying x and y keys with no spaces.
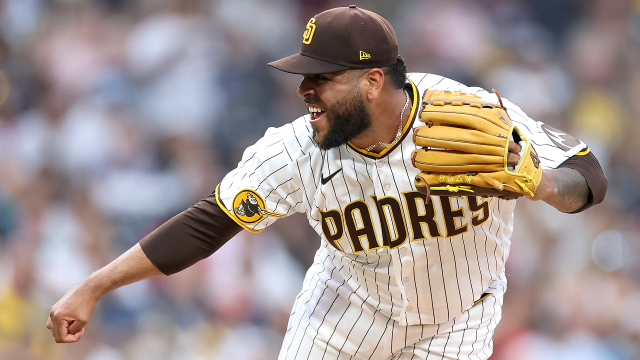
{"x":565,"y":189}
{"x":130,"y":267}
{"x":71,"y":313}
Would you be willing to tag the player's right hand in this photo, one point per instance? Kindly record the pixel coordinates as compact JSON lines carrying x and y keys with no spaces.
{"x":71,"y":313}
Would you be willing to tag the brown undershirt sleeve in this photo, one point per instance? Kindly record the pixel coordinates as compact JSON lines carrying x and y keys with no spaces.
{"x":590,"y":168}
{"x":189,"y":237}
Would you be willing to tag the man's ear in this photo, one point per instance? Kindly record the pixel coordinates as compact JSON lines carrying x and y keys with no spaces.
{"x":372,"y":83}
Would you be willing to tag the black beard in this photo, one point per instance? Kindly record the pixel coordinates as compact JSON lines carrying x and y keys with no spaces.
{"x":347,"y":118}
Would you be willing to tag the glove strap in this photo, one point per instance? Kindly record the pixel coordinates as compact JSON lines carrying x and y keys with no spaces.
{"x":528,"y":179}
{"x":451,"y":188}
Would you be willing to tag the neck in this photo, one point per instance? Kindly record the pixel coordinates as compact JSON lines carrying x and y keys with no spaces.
{"x":385,"y":118}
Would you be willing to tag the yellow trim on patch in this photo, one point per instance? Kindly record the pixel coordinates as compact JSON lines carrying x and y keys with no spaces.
{"x":585,"y":152}
{"x":224,"y":208}
{"x":407,"y":127}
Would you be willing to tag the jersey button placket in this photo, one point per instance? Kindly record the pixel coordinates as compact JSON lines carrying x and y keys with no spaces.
{"x":406,"y":261}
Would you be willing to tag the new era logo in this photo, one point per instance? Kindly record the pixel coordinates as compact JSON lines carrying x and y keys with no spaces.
{"x":364,"y":55}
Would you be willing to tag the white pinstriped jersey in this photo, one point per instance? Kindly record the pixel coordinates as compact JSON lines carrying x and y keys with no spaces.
{"x":417,"y":262}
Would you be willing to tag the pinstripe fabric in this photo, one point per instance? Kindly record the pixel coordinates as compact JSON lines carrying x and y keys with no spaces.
{"x":386,"y":254}
{"x":331,"y":321}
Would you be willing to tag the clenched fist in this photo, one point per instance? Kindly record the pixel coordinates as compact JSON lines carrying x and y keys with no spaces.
{"x":71,"y":313}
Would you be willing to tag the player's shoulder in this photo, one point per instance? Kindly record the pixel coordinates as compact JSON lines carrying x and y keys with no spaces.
{"x":286,"y":143}
{"x":426,"y":81}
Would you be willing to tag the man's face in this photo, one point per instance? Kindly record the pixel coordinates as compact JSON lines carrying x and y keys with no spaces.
{"x":337,"y":108}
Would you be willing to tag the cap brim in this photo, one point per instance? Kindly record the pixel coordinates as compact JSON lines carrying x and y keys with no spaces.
{"x":301,"y":64}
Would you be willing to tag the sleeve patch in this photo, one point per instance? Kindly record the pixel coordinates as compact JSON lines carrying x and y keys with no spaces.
{"x":249,"y":207}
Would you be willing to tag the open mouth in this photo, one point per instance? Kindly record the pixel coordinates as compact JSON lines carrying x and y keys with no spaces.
{"x":315,"y":112}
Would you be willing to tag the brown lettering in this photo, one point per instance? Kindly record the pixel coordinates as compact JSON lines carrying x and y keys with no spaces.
{"x":450,"y":215}
{"x":332,"y":235}
{"x":474,"y":206}
{"x":397,"y":221}
{"x":366,"y":230}
{"x":413,"y":198}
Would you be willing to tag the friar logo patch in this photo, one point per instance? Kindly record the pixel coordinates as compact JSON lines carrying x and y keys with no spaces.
{"x":249,"y":207}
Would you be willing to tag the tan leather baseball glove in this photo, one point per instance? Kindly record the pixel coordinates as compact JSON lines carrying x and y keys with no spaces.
{"x":464,"y":146}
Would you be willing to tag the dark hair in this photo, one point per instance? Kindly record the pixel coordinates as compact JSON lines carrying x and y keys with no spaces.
{"x":396,"y":73}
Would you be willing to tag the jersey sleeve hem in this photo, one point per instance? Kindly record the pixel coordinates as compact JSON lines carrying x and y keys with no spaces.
{"x":584,"y":152}
{"x":226,"y":211}
{"x":589,"y":167}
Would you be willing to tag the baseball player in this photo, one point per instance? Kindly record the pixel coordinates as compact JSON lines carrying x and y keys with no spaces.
{"x":399,"y":274}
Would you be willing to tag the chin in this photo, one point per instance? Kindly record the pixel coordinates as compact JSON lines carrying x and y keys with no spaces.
{"x":318,"y":140}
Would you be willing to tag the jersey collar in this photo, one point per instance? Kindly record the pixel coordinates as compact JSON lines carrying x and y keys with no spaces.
{"x":405,"y":130}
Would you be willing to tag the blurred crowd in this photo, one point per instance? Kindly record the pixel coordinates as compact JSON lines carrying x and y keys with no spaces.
{"x":116,"y":115}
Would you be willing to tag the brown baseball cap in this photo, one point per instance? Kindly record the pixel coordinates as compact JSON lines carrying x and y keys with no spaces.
{"x":343,"y":38}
